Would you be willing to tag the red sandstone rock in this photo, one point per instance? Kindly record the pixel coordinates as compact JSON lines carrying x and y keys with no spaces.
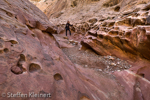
{"x":16,"y":70}
{"x":27,"y":42}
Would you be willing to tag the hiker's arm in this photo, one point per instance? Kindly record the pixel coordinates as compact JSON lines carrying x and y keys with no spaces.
{"x":70,"y":25}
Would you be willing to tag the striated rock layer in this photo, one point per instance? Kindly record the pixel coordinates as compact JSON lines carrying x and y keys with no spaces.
{"x":31,"y":61}
{"x":126,"y":37}
{"x":118,"y":28}
{"x":77,"y":11}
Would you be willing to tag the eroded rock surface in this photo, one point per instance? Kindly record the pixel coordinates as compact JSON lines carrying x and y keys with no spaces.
{"x":115,"y":30}
{"x":31,"y":61}
{"x":119,"y":28}
{"x":126,"y":38}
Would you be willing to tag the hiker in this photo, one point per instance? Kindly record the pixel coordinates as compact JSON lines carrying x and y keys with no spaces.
{"x":67,"y":27}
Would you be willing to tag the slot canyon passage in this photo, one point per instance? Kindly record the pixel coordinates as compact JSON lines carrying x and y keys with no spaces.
{"x":107,"y":57}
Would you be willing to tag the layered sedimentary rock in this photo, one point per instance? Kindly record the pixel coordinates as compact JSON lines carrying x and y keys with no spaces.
{"x":126,"y":38}
{"x":32,"y":63}
{"x":118,"y":28}
{"x":77,"y":11}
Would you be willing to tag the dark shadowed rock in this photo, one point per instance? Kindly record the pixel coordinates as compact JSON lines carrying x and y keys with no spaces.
{"x":148,"y":20}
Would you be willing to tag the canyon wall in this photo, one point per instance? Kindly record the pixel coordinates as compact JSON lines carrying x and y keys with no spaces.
{"x":119,"y":28}
{"x":31,"y":61}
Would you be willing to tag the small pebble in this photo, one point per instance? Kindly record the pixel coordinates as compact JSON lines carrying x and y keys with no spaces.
{"x":100,"y":70}
{"x":86,"y":66}
{"x":113,"y":64}
{"x":107,"y":67}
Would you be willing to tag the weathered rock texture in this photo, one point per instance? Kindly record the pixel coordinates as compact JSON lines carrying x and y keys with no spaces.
{"x":30,"y":61}
{"x":77,"y":11}
{"x":118,"y":28}
{"x":126,"y":37}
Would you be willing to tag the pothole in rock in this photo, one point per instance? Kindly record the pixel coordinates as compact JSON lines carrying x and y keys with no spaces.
{"x":117,"y":9}
{"x":16,"y":70}
{"x":34,"y":67}
{"x":142,"y":75}
{"x":13,"y":41}
{"x":58,"y":77}
{"x":22,"y":57}
{"x":84,"y":98}
{"x":6,"y":50}
{"x":74,"y":4}
{"x":9,"y":14}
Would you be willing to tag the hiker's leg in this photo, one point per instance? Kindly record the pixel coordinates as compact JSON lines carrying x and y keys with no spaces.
{"x":70,"y":32}
{"x":66,"y":32}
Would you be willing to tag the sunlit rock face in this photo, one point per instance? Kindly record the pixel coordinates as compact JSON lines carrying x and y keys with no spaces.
{"x":59,"y":11}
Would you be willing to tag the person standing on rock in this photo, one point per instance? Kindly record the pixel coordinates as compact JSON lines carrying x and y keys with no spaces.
{"x":67,"y":27}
